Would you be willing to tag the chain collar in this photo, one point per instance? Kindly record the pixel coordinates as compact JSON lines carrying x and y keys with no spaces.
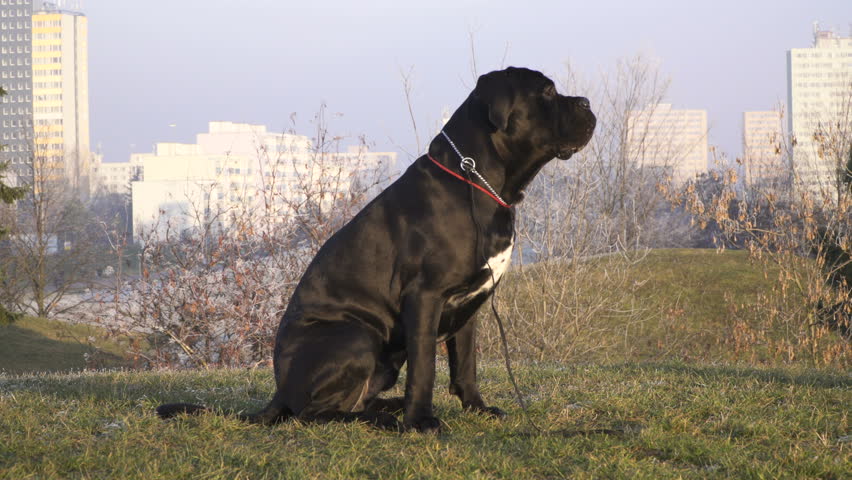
{"x":468,"y":165}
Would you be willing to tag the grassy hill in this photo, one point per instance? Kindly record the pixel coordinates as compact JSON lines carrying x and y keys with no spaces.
{"x":686,"y":304}
{"x":662,"y":370}
{"x":39,"y":345}
{"x":649,"y":420}
{"x":689,"y":305}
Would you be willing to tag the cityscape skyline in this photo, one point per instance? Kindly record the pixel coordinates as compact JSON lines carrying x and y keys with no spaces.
{"x":341,"y":121}
{"x":675,"y":140}
{"x":357,"y":56}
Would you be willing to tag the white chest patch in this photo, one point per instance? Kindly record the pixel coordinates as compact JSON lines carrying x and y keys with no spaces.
{"x":499,"y":263}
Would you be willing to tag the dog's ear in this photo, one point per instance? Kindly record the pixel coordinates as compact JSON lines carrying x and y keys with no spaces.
{"x":494,"y":93}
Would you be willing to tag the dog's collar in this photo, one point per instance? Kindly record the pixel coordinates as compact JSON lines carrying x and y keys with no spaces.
{"x":468,"y":165}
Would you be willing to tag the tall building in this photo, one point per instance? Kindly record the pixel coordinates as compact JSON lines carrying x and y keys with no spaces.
{"x":16,"y":80}
{"x":669,"y":139}
{"x":44,"y":69}
{"x":819,"y":96}
{"x":763,"y":145}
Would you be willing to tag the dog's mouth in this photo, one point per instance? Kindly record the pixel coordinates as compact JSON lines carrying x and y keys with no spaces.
{"x":573,"y":144}
{"x":565,"y":152}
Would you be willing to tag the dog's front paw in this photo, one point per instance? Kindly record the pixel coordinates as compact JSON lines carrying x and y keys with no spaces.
{"x":424,"y":425}
{"x":386,"y":421}
{"x":493,"y":412}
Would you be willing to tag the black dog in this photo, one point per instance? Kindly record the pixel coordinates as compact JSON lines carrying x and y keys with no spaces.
{"x":414,"y":265}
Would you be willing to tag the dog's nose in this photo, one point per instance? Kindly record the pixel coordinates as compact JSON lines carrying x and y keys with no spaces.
{"x":583,"y":102}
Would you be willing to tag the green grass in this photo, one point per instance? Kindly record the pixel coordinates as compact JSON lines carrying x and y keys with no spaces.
{"x":699,"y":279}
{"x":663,"y":420}
{"x":725,"y":307}
{"x":693,"y":291}
{"x":39,"y":345}
{"x":682,"y":304}
{"x":659,"y":395}
{"x":684,"y":297}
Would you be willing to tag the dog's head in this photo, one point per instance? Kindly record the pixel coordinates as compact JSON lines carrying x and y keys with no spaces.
{"x":527,"y":114}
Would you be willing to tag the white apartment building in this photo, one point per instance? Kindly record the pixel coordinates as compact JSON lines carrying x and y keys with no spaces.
{"x":670,"y":139}
{"x":44,"y":69}
{"x":819,"y":96}
{"x":234,"y":170}
{"x":115,"y":177}
{"x":763,"y":144}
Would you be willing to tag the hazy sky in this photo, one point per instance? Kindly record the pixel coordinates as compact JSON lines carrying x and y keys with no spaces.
{"x":161,"y":69}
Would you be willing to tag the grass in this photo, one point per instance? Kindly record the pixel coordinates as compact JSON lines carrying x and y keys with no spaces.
{"x":650,"y":420}
{"x":693,"y":305}
{"x":693,"y":290}
{"x":666,"y":398}
{"x":39,"y":345}
{"x":683,"y":299}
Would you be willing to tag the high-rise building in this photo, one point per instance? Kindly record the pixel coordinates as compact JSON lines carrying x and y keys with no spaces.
{"x":16,"y":80}
{"x":763,"y":145}
{"x":819,"y":96}
{"x":44,"y":69}
{"x":669,"y":139}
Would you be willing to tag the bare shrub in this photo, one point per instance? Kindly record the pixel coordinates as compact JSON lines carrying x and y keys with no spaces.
{"x":801,"y":232}
{"x":213,"y":294}
{"x":632,"y":155}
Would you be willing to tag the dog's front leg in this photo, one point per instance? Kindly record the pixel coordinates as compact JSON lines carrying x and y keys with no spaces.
{"x":461,"y":350}
{"x":420,"y":318}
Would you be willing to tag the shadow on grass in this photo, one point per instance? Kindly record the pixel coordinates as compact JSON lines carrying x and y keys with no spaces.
{"x":241,"y":390}
{"x":810,"y":378}
{"x":233,"y":392}
{"x":619,"y":430}
{"x":23,"y":351}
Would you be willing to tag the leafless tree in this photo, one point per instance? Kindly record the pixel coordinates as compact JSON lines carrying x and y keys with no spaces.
{"x":632,"y":156}
{"x":49,"y":253}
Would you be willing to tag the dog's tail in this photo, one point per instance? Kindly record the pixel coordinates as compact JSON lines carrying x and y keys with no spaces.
{"x":275,"y":412}
{"x":169,"y":410}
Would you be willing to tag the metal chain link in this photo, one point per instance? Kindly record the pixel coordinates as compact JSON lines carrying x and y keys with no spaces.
{"x":468,"y":164}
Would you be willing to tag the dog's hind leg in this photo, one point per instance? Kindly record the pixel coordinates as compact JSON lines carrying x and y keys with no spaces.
{"x":327,"y":371}
{"x":276,"y":411}
{"x":382,"y":420}
{"x":384,"y":378}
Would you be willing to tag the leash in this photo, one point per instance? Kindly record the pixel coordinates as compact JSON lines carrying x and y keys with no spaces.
{"x":469,"y":162}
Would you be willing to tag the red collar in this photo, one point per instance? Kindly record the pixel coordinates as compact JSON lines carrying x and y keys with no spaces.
{"x":500,"y":202}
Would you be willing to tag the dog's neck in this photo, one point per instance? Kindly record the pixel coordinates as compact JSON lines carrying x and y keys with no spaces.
{"x":470,"y":143}
{"x":521,"y":169}
{"x":508,"y":171}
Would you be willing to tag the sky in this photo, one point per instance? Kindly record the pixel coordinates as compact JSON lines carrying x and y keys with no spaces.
{"x":159,"y":70}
